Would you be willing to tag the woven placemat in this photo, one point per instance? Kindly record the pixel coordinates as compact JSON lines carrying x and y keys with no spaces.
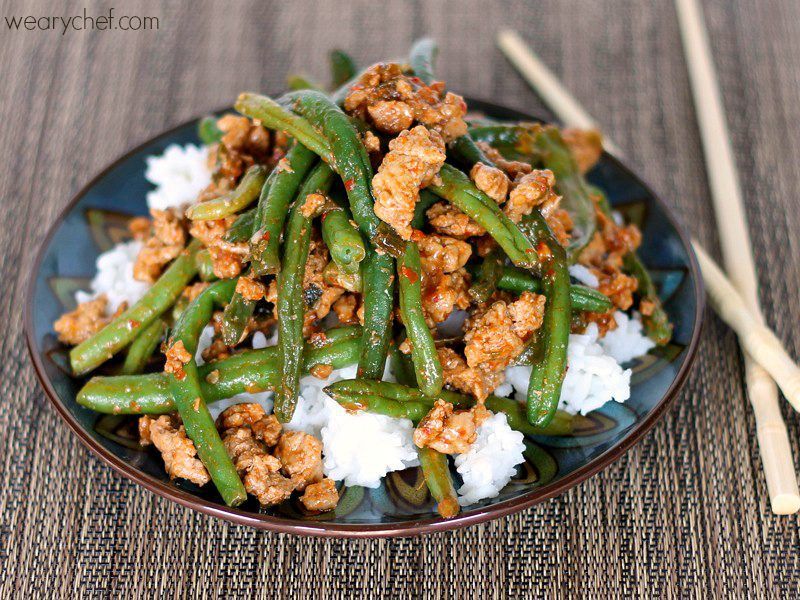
{"x":685,"y":513}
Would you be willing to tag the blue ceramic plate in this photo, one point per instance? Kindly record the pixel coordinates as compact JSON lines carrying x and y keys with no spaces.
{"x":96,"y":219}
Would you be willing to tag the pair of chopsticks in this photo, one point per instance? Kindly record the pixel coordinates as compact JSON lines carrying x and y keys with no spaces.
{"x":736,"y":299}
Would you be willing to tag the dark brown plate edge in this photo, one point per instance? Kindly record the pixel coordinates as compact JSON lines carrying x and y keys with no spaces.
{"x":411,"y":528}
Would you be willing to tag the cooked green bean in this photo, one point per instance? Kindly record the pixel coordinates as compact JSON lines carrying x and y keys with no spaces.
{"x":242,"y":228}
{"x":188,"y":396}
{"x":207,"y":130}
{"x":349,"y":281}
{"x":274,"y":116}
{"x":575,"y":199}
{"x":234,"y":201}
{"x":273,"y":205}
{"x":488,"y":275}
{"x":421,"y":58}
{"x":427,"y":367}
{"x":456,"y":188}
{"x":142,"y":348}
{"x":513,"y":141}
{"x":342,"y":239}
{"x":402,"y":367}
{"x":291,"y":306}
{"x":436,"y":471}
{"x":349,"y":159}
{"x":381,"y":395}
{"x":301,"y":82}
{"x":343,"y":67}
{"x":247,"y":372}
{"x":204,"y":265}
{"x":581,"y":297}
{"x":121,"y":331}
{"x":547,"y":374}
{"x":656,"y":324}
{"x":235,"y":317}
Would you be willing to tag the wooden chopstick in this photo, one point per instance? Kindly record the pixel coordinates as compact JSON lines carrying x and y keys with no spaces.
{"x":737,"y":255}
{"x":771,"y":430}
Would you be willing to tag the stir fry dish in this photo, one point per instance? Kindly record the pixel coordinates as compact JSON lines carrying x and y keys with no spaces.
{"x":339,"y":284}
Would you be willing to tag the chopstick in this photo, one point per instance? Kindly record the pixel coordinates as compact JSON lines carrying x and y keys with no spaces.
{"x":772,"y":436}
{"x":726,"y":195}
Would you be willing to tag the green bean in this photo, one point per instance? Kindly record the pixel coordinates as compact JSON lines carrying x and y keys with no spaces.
{"x":350,"y":281}
{"x":291,"y":306}
{"x":343,"y":240}
{"x":235,"y":317}
{"x":273,"y":204}
{"x":426,"y":200}
{"x":301,"y":82}
{"x":142,"y":348}
{"x":547,"y":374}
{"x":581,"y":297}
{"x":421,"y":58}
{"x":204,"y":265}
{"x":232,"y":202}
{"x":382,"y":394}
{"x":488,"y":275}
{"x":242,"y":228}
{"x":656,"y":324}
{"x":188,"y":396}
{"x":121,"y":331}
{"x":513,"y":141}
{"x":207,"y":130}
{"x":274,"y":116}
{"x":556,"y":156}
{"x":456,"y":187}
{"x":247,"y":372}
{"x":343,"y":67}
{"x":436,"y":471}
{"x":402,"y":367}
{"x":427,"y":367}
{"x":349,"y":159}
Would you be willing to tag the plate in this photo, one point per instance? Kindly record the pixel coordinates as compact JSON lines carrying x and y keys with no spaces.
{"x":95,"y":219}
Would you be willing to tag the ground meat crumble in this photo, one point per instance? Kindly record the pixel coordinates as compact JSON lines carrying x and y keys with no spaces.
{"x":448,"y":431}
{"x":82,"y":323}
{"x":413,"y":161}
{"x":392,"y":102}
{"x":168,"y":435}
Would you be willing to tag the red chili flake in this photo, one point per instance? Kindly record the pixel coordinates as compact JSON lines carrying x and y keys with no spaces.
{"x":409,"y":274}
{"x":349,"y":184}
{"x":543,"y":250}
{"x":417,"y":235}
{"x":416,"y":80}
{"x":266,"y":237}
{"x":133,"y":324}
{"x":463,"y":105}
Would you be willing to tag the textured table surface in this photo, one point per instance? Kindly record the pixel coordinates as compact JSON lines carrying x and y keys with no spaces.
{"x":685,"y":513}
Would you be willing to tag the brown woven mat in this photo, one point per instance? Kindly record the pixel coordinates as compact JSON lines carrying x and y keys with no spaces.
{"x":685,"y":513}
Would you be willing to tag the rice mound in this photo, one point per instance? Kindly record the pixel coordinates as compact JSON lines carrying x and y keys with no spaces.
{"x":114,"y":277}
{"x":628,"y":340}
{"x":491,"y":461}
{"x":359,"y":448}
{"x":179,"y":175}
{"x":593,"y":376}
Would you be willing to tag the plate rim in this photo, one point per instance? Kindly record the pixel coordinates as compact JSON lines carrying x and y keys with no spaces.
{"x":365,"y":530}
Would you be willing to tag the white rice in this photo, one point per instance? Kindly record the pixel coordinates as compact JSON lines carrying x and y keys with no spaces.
{"x":593,"y":377}
{"x":583,"y":275}
{"x":179,"y":175}
{"x":491,"y":461}
{"x":358,"y":448}
{"x":627,"y":341}
{"x":114,"y":277}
